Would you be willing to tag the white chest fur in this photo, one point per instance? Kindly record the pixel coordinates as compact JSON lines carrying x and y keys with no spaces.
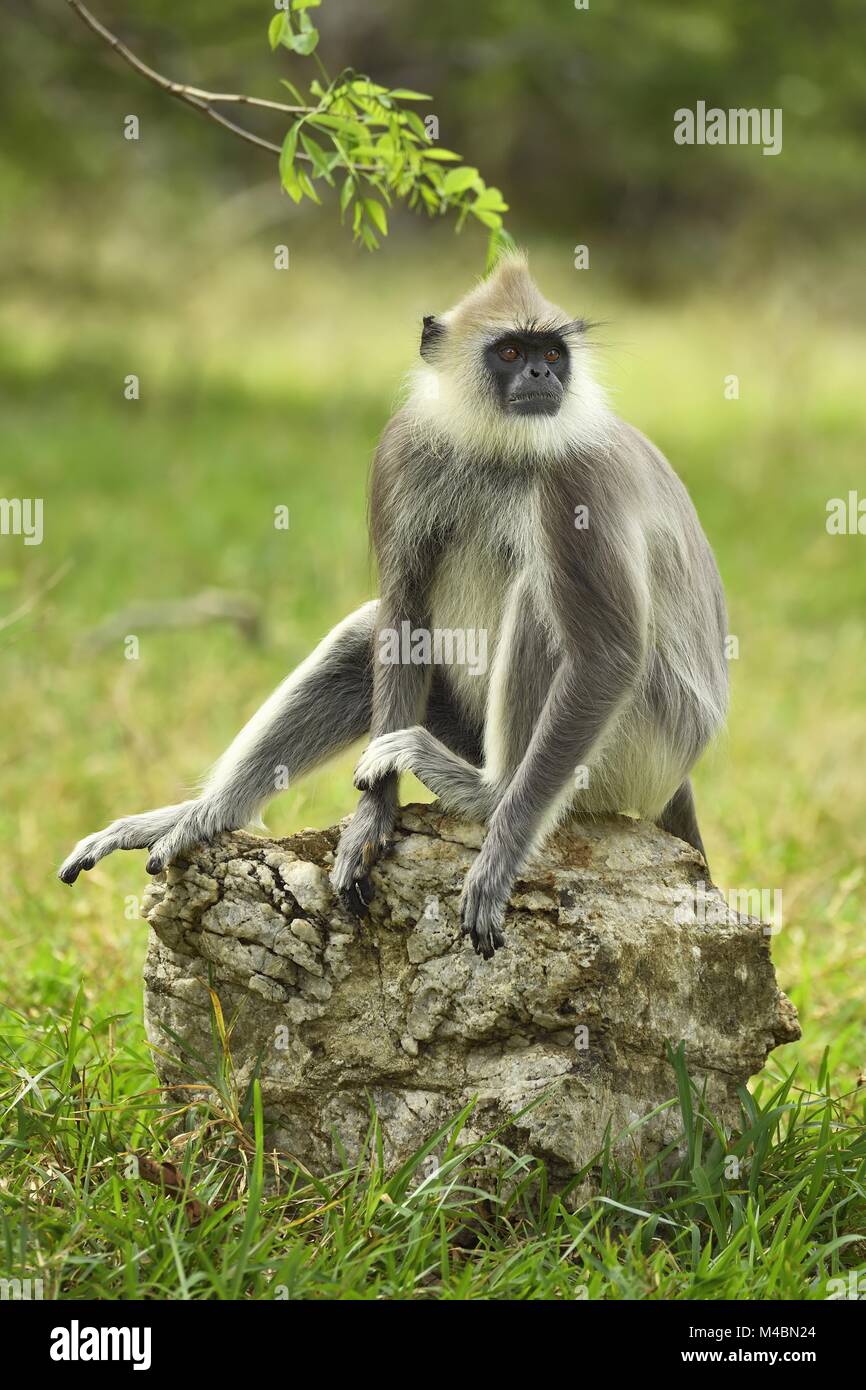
{"x":489,"y":553}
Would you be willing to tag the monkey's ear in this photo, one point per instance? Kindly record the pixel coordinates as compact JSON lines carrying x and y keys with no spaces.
{"x":431,"y":333}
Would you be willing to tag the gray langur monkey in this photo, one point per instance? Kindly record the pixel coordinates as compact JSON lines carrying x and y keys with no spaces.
{"x":506,"y":499}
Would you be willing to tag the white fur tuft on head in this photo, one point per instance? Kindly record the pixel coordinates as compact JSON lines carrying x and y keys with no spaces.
{"x":451,"y":397}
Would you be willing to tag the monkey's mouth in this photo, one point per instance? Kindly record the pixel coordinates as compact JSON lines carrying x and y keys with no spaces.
{"x":534,"y":403}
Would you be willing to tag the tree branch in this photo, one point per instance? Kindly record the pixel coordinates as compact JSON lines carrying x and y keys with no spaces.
{"x":196,"y":97}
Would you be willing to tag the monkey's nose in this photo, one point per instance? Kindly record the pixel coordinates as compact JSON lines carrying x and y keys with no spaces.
{"x":533,"y":372}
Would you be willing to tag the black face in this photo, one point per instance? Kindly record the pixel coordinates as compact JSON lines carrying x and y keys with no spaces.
{"x":530,"y":372}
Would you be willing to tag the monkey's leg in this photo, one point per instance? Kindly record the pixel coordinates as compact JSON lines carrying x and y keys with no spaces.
{"x":319,"y":709}
{"x":522,"y":671}
{"x":400,"y":694}
{"x":680,"y":818}
{"x":581,"y":703}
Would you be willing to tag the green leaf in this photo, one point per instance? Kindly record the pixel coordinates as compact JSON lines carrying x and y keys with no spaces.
{"x":404,"y":94}
{"x":346,"y":193}
{"x":290,"y":145}
{"x":417,"y":126}
{"x":459,"y":180}
{"x":491,"y":199}
{"x":488,"y":219}
{"x":278,"y":27}
{"x":377,"y":215}
{"x":306,"y":41}
{"x":440,"y":154}
{"x":288,"y":175}
{"x":292,"y":184}
{"x":320,"y":161}
{"x":305,"y":4}
{"x":294,"y":91}
{"x":341,"y":125}
{"x":304,"y":44}
{"x":307,"y":186}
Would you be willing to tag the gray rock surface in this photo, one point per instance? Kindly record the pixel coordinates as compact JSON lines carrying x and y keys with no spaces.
{"x":606,"y":960}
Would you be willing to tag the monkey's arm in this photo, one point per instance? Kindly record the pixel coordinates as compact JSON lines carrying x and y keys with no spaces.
{"x":570,"y":726}
{"x":400,"y":690}
{"x":319,"y":709}
{"x":399,"y":698}
{"x":600,"y":601}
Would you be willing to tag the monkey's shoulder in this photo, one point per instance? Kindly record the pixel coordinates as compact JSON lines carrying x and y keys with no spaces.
{"x":625,"y":475}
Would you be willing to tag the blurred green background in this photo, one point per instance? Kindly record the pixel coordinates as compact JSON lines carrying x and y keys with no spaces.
{"x":261,"y":388}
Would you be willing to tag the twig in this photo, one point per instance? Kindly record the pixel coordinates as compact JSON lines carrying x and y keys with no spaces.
{"x":166,"y":1176}
{"x":196,"y":97}
{"x":30,"y":603}
{"x":213,"y":605}
{"x":244,"y":100}
{"x":201,"y":100}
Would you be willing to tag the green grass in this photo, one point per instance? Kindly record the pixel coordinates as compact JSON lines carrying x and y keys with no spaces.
{"x":258,"y":391}
{"x":764,"y":1214}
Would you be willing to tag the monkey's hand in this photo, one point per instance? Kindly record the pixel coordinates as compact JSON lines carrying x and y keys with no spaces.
{"x":483,"y":902}
{"x":361,"y":843}
{"x":130,"y":832}
{"x":397,"y":752}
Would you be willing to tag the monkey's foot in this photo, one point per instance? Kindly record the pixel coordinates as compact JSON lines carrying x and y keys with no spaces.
{"x":482,"y":913}
{"x":130,"y":832}
{"x":364,"y":839}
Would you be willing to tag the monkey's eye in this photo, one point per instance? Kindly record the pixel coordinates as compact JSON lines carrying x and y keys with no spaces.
{"x":509,"y":353}
{"x":552,"y":355}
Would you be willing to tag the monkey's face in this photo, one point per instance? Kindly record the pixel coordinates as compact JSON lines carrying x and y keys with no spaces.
{"x":502,"y":375}
{"x":529,"y":372}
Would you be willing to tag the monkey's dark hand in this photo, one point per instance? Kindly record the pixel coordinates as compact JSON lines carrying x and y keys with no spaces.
{"x":482,"y":904}
{"x":364,"y":839}
{"x":143,"y":831}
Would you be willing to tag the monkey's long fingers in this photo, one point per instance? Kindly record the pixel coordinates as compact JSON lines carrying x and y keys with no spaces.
{"x":356,"y":899}
{"x":481,"y":921}
{"x":77,"y":862}
{"x":129,"y":832}
{"x":486,"y":941}
{"x":89,"y":851}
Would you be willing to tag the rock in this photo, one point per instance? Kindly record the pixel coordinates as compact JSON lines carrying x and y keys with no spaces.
{"x":614,"y":948}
